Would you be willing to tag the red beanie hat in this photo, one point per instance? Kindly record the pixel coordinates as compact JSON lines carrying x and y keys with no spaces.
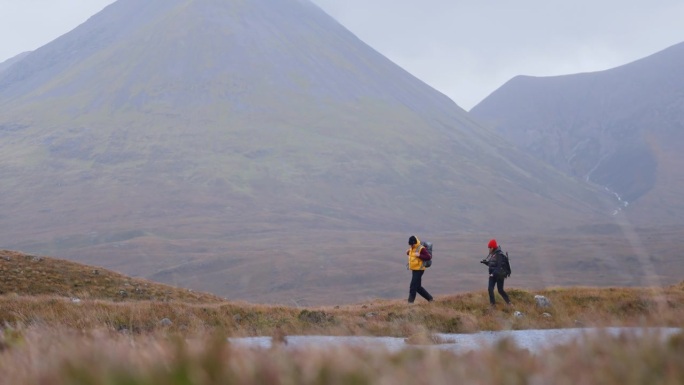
{"x":492,"y":244}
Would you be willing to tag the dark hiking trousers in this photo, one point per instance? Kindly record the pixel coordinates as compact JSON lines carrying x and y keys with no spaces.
{"x":416,"y":286}
{"x":499,"y":282}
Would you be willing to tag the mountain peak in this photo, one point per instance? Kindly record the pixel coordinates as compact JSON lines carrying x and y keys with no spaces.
{"x":186,"y":54}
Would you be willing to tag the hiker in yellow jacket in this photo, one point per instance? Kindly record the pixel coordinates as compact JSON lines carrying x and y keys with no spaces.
{"x":417,"y":254}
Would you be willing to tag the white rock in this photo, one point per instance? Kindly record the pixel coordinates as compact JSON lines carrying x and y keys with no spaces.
{"x":542,"y":301}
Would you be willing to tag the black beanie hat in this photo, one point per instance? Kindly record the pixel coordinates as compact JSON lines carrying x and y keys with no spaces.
{"x":413,"y":240}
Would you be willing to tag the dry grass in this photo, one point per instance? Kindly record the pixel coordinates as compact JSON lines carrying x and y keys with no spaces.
{"x":49,"y":298}
{"x":457,"y":314}
{"x":50,"y":337}
{"x":35,"y":275}
{"x":98,"y":357}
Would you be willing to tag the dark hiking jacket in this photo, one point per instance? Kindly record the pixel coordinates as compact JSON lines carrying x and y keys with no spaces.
{"x":496,"y":261}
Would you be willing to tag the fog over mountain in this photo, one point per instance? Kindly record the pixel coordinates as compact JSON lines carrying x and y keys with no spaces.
{"x":621,"y":128}
{"x":200,"y":142}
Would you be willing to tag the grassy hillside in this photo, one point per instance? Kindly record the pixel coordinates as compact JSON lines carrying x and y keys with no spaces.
{"x":317,"y":268}
{"x":29,"y":275}
{"x":45,"y":289}
{"x":179,"y":337}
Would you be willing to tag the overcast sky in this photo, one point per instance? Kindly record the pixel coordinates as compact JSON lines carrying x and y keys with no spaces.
{"x":463,"y":48}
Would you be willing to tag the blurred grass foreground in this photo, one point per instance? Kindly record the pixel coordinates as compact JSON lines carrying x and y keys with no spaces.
{"x":61,"y":357}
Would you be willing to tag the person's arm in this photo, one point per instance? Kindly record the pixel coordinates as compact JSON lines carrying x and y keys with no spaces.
{"x":491,"y":263}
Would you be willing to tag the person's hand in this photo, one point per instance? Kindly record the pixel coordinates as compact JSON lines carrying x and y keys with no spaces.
{"x":491,"y":275}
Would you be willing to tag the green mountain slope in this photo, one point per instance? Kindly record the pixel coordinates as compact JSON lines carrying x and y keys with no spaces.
{"x":157,"y":134}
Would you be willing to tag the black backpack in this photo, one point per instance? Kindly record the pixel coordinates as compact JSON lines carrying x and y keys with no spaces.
{"x":506,"y":264}
{"x":428,"y":246}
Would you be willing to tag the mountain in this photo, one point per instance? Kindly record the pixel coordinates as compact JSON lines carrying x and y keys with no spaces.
{"x":234,"y":145}
{"x":7,"y":63}
{"x":621,"y":128}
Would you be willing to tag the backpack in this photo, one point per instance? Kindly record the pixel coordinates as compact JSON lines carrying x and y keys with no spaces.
{"x":506,"y":264}
{"x":428,"y":246}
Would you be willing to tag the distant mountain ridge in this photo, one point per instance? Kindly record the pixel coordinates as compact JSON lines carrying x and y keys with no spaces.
{"x":7,"y":63}
{"x":175,"y":136}
{"x":620,"y":128}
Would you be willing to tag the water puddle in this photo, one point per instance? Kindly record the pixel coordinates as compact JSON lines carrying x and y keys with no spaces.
{"x":532,"y":340}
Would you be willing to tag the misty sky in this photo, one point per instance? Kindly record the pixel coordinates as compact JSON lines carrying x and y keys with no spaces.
{"x":463,"y":48}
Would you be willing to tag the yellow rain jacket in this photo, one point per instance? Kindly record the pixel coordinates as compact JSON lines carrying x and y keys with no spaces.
{"x":415,"y":263}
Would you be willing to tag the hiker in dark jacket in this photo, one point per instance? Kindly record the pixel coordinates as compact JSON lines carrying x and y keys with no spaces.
{"x":496,"y":261}
{"x":417,"y":254}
